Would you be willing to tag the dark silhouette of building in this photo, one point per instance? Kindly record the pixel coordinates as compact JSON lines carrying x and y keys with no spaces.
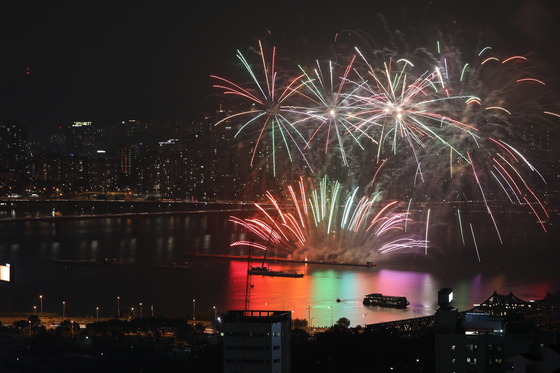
{"x":256,"y":341}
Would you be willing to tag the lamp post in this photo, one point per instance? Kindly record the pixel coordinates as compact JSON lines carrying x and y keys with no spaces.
{"x":132,"y":312}
{"x":97,"y":309}
{"x":119,"y":307}
{"x":332,"y":322}
{"x":193,"y":309}
{"x":215,"y":313}
{"x":365,"y":320}
{"x":72,"y":328}
{"x":41,"y":297}
{"x":63,"y":310}
{"x":35,"y":309}
{"x":29,"y":327}
{"x":152,"y":310}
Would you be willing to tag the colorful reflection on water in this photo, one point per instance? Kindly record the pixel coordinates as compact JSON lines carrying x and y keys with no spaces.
{"x":222,"y":283}
{"x":314,"y":297}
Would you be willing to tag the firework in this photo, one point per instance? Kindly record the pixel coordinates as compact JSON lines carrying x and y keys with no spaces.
{"x":440,"y":128}
{"x":267,"y":111}
{"x":429,"y":106}
{"x":328,"y":223}
{"x":330,"y":108}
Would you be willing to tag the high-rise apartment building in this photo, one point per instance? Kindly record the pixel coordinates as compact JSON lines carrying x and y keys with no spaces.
{"x":80,"y":139}
{"x":13,"y":144}
{"x":256,"y":341}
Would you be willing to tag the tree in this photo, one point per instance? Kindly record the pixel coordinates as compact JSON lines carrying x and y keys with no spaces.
{"x":343,"y":323}
{"x":34,"y":320}
{"x":299,"y":323}
{"x":21,"y":324}
{"x":66,"y":324}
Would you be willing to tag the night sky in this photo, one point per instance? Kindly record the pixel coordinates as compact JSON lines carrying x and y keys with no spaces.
{"x":105,"y":62}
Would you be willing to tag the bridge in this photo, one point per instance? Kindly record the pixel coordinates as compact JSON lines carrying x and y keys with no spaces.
{"x":408,"y":327}
{"x":545,"y":314}
{"x":48,"y":207}
{"x":63,"y":212}
{"x":548,"y":316}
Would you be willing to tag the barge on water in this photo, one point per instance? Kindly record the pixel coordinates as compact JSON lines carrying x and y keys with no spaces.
{"x":378,"y":299}
{"x":185,"y":266}
{"x":96,"y":262}
{"x":264,"y":271}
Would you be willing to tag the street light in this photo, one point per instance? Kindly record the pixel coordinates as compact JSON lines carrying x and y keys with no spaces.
{"x":215,"y":313}
{"x":132,"y":312}
{"x":141,"y":310}
{"x":119,"y":307}
{"x":332,"y":323}
{"x":97,"y":309}
{"x":35,"y":309}
{"x":365,"y":320}
{"x":152,"y":310}
{"x":63,"y":309}
{"x":41,"y":297}
{"x":193,"y":309}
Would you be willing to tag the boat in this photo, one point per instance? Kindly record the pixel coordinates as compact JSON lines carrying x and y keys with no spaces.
{"x":338,"y":300}
{"x":265,"y":271}
{"x":186,"y":266}
{"x":378,"y":299}
{"x":98,"y":262}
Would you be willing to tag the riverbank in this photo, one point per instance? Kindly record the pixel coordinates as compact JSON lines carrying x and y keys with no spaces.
{"x":276,"y":259}
{"x":82,"y":321}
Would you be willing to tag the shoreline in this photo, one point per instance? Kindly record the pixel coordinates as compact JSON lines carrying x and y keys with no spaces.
{"x":276,"y":259}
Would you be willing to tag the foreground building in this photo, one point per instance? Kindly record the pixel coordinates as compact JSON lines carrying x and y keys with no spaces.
{"x":476,"y":342}
{"x":256,"y":341}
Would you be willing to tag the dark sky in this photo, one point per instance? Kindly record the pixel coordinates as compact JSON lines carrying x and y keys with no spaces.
{"x":149,"y":60}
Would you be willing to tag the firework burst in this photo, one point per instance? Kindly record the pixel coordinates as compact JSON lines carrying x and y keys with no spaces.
{"x":328,"y":223}
{"x":267,"y":111}
{"x":425,"y":125}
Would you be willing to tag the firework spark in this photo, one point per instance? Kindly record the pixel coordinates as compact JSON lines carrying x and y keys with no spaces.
{"x":266,"y":110}
{"x":426,"y":114}
{"x":328,"y":218}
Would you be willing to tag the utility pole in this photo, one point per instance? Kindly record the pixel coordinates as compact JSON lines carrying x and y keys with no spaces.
{"x":248,"y":286}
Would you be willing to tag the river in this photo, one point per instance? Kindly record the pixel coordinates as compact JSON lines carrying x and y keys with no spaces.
{"x":525,"y":267}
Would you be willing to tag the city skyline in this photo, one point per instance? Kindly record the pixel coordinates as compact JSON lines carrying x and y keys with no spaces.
{"x":209,"y":134}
